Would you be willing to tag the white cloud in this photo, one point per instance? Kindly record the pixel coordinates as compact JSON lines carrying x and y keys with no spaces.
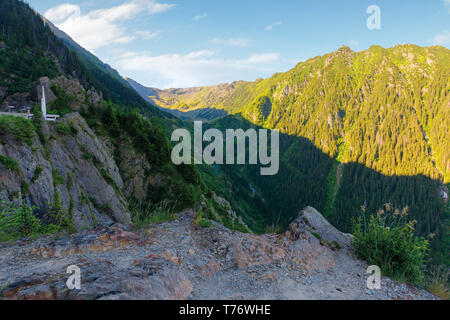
{"x":271,"y":26}
{"x":147,"y":35}
{"x":200,"y":54}
{"x":60,"y":13}
{"x":234,"y":42}
{"x":200,"y":16}
{"x":354,"y":44}
{"x":101,"y":27}
{"x":442,"y":38}
{"x":263,"y":58}
{"x":152,"y":6}
{"x":193,"y":69}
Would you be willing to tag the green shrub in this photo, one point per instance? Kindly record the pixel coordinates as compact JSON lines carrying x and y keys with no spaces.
{"x":24,"y":188}
{"x":17,"y":221}
{"x":108,"y":178}
{"x":69,"y":181}
{"x":389,"y":242}
{"x":61,"y":105}
{"x":204,"y":223}
{"x":437,"y":281}
{"x":63,"y":129}
{"x":22,"y":129}
{"x":317,"y":235}
{"x":88,"y":156}
{"x":144,"y":214}
{"x":37,"y":173}
{"x":61,"y":216}
{"x":73,"y":128}
{"x":67,"y":129}
{"x":9,"y":163}
{"x":57,"y":179}
{"x":37,"y":124}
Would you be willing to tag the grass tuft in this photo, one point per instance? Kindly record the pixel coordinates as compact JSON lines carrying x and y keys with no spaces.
{"x":388,"y":241}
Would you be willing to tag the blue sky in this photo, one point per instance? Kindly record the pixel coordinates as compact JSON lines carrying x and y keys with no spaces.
{"x":173,"y":43}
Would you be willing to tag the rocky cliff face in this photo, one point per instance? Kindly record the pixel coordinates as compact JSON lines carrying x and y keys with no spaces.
{"x":84,"y":171}
{"x":75,"y":166}
{"x":181,"y":260}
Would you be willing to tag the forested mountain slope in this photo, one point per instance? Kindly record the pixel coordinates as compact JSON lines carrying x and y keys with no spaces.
{"x":30,"y":50}
{"x":105,"y":160}
{"x":359,"y":129}
{"x":205,"y":114}
{"x":388,"y":109}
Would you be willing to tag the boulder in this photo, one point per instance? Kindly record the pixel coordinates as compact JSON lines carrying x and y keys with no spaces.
{"x":13,"y":290}
{"x":309,"y":219}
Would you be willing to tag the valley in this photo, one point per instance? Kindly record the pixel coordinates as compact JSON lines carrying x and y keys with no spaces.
{"x":381,"y":114}
{"x":363,"y":148}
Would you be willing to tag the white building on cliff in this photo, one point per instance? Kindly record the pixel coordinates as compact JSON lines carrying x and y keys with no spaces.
{"x":48,"y":117}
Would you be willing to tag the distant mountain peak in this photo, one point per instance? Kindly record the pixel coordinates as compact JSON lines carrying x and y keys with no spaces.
{"x":345,"y":48}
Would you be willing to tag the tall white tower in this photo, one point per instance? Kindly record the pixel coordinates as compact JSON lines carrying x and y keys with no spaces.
{"x":43,"y":103}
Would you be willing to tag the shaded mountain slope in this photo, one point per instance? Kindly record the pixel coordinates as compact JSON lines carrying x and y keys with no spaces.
{"x":380,"y":115}
{"x":308,"y":176}
{"x":385,"y":108}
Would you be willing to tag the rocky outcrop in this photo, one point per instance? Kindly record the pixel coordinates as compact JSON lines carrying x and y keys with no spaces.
{"x":180,"y":260}
{"x":311,"y":221}
{"x":17,"y":100}
{"x":76,"y":167}
{"x":135,"y":170}
{"x":94,"y":97}
{"x":36,"y":93}
{"x":225,"y":204}
{"x":73,"y":88}
{"x":27,"y":99}
{"x":314,"y":241}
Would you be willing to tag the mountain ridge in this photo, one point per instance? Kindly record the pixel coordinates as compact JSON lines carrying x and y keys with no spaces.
{"x":387,"y":110}
{"x":202,"y":114}
{"x":274,"y":102}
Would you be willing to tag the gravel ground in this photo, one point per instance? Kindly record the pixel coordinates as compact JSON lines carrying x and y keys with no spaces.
{"x":180,"y":260}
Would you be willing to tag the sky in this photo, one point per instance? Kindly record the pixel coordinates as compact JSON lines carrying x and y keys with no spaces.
{"x":186,"y":43}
